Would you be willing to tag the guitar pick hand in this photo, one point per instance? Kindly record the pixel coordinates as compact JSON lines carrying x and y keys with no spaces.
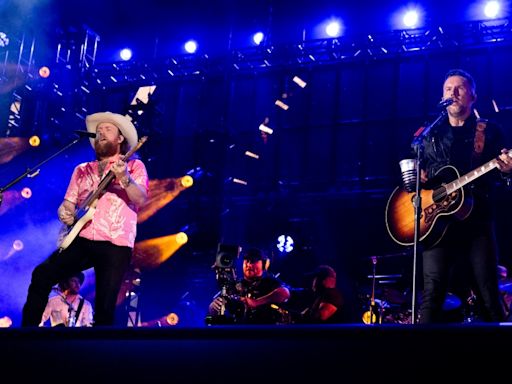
{"x":119,"y":169}
{"x":504,"y":161}
{"x":65,"y":216}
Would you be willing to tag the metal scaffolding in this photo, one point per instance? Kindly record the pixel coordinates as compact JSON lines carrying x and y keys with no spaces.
{"x":469,"y":35}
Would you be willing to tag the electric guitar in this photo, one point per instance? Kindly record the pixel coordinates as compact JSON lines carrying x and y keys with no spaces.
{"x":439,"y":206}
{"x":86,"y":210}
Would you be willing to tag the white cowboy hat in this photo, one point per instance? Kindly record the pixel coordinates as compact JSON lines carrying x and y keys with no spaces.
{"x":122,"y":122}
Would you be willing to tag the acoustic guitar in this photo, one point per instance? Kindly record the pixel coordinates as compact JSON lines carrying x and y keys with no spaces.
{"x":86,"y":210}
{"x":441,"y":205}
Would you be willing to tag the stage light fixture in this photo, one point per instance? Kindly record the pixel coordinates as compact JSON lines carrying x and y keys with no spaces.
{"x":285,"y":243}
{"x":190,"y":46}
{"x":34,"y":141}
{"x":252,"y":154}
{"x":266,"y":129}
{"x":125,"y":54}
{"x":301,"y":83}
{"x":26,"y":193}
{"x":258,"y":37}
{"x":181,"y":238}
{"x":4,"y":40}
{"x":237,"y":180}
{"x":186,"y":181}
{"x":492,"y":9}
{"x":151,"y":253}
{"x":169,"y":320}
{"x":333,"y":29}
{"x":44,"y":72}
{"x":18,"y":245}
{"x":411,"y":19}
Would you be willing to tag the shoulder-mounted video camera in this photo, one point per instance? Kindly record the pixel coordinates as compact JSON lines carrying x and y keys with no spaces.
{"x":225,"y":265}
{"x":227,"y":255}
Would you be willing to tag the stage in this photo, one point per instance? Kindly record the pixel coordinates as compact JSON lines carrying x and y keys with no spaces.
{"x":284,"y":354}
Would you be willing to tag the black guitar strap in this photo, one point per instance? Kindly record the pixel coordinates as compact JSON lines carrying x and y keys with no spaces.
{"x":78,"y":310}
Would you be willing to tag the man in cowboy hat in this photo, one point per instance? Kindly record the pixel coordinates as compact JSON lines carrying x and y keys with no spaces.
{"x":67,"y":308}
{"x":106,"y":237}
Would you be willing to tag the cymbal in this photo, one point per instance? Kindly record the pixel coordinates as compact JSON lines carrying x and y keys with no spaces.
{"x":394,"y":296}
{"x":383,"y":276}
{"x":405,"y":253}
{"x":505,"y":286}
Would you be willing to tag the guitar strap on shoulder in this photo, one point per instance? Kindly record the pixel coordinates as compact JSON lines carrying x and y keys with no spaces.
{"x":79,"y":309}
{"x":481,"y":124}
{"x":479,"y":141}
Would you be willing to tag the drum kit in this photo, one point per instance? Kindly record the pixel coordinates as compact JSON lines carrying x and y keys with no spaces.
{"x":394,"y":307}
{"x":391,"y":303}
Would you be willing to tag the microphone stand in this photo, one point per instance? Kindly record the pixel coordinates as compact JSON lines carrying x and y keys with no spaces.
{"x":34,"y":171}
{"x":417,"y":145}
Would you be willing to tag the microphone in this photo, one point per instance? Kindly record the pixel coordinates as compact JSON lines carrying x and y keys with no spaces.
{"x":445,"y":103}
{"x":408,"y":169}
{"x":85,"y":134}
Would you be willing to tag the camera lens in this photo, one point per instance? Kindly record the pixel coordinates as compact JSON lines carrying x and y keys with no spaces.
{"x":225,"y":260}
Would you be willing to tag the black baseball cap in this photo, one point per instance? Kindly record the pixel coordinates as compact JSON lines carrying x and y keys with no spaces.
{"x":254,"y":254}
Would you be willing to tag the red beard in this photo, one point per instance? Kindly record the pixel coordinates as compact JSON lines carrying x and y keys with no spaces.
{"x":105,"y":149}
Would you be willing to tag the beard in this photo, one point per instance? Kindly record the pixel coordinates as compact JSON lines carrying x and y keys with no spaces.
{"x":458,"y":111}
{"x":105,"y":149}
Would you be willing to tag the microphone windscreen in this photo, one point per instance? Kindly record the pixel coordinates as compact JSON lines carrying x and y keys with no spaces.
{"x":408,"y":169}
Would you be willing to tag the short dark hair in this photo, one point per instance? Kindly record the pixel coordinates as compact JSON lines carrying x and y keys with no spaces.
{"x":464,"y":74}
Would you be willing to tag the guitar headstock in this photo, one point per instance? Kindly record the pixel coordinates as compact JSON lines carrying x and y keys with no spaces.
{"x":136,"y":147}
{"x":141,"y":141}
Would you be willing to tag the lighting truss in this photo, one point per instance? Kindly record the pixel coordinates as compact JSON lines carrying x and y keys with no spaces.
{"x":17,"y":60}
{"x":306,"y":53}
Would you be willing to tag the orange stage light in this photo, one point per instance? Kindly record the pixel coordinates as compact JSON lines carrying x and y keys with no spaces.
{"x":34,"y":141}
{"x":11,"y":147}
{"x":44,"y":72}
{"x":161,"y":193}
{"x":153,"y":252}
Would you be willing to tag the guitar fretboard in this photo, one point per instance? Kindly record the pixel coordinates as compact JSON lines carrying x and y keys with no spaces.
{"x":470,"y":176}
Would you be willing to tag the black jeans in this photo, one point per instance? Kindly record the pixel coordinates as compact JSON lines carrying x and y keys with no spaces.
{"x":110,"y":263}
{"x":470,"y":246}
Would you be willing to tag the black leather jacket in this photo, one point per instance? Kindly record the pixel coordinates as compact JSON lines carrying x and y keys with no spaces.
{"x":447,"y":145}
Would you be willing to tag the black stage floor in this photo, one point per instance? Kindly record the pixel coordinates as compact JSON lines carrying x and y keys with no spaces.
{"x":266,"y":354}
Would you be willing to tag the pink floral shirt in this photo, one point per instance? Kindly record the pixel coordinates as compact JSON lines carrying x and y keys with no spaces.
{"x":115,"y":216}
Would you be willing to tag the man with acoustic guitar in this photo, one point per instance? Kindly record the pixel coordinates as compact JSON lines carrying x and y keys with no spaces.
{"x":100,"y":212}
{"x":462,"y":142}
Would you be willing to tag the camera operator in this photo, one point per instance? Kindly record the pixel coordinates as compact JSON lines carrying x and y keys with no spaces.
{"x":255,"y":298}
